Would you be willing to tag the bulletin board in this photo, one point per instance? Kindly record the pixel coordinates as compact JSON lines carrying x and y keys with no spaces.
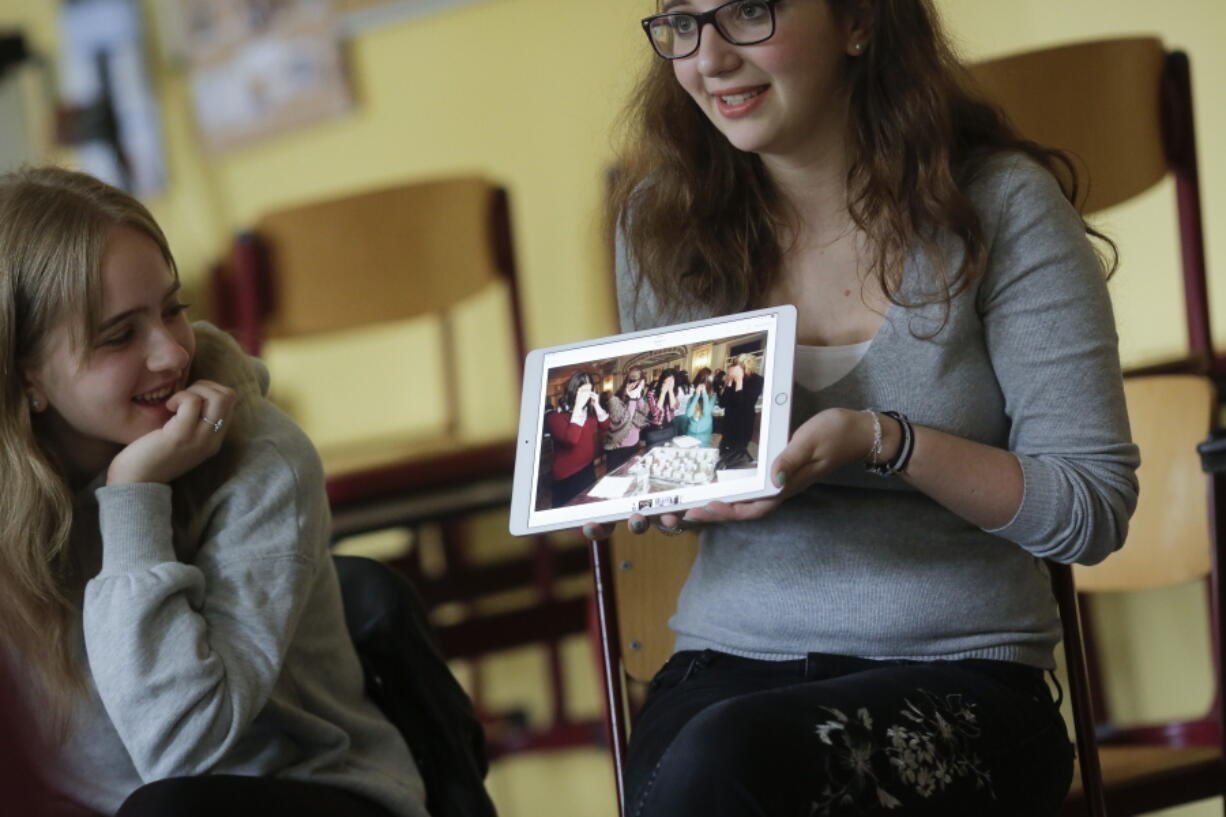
{"x":262,"y":67}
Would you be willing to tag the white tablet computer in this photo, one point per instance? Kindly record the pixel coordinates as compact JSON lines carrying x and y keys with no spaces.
{"x":654,"y":421}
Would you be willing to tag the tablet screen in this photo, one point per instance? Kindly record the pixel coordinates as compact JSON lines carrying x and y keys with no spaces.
{"x":646,"y":423}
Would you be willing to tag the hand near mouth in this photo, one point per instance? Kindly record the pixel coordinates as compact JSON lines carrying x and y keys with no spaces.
{"x":186,"y":440}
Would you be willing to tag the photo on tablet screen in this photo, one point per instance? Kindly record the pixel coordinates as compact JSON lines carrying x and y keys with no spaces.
{"x":654,"y":427}
{"x":653,"y":421}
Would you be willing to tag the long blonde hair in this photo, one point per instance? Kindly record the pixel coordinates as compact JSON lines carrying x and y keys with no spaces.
{"x":54,"y":226}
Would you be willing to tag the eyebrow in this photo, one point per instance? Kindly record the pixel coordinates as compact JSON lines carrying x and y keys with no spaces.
{"x":122,"y":316}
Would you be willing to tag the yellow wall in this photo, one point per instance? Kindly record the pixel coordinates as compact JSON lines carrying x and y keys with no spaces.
{"x":526,"y":91}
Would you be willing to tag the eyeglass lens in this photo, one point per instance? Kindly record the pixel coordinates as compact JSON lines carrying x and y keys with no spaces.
{"x":741,"y":22}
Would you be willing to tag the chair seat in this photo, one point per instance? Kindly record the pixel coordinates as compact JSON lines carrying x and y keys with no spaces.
{"x":1137,"y":778}
{"x":393,"y":482}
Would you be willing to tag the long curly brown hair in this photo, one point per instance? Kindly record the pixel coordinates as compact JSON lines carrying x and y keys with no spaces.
{"x":705,"y":223}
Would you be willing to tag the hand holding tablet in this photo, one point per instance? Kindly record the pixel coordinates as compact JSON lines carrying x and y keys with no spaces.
{"x":824,"y":443}
{"x":577,"y":466}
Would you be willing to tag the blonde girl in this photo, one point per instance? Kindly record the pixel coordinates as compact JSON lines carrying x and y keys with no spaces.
{"x":164,"y":574}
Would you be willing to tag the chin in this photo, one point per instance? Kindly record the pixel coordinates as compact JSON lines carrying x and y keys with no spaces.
{"x":747,"y":142}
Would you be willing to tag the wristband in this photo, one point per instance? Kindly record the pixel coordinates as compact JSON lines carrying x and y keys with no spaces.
{"x":905,"y":448}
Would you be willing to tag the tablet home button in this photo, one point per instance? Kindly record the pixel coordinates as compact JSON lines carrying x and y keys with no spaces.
{"x":781,"y":398}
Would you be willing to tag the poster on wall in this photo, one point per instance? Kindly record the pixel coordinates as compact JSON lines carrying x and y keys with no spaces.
{"x":261,"y":67}
{"x":111,"y":117}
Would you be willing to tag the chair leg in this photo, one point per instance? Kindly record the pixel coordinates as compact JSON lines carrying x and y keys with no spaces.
{"x":1079,"y":688}
{"x":610,"y":660}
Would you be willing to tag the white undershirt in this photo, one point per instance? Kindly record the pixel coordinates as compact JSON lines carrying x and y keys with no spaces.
{"x":819,"y":366}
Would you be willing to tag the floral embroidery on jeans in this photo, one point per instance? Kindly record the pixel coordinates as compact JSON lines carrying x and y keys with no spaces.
{"x":926,"y":751}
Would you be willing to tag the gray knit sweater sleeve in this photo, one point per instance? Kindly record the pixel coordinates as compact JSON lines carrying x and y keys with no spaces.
{"x":1050,"y":334}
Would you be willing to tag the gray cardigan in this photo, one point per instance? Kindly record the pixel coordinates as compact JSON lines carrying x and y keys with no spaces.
{"x":859,"y":565}
{"x":237,"y":663}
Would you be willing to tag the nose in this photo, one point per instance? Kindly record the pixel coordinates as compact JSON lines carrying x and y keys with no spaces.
{"x":716,"y":55}
{"x":166,"y":353}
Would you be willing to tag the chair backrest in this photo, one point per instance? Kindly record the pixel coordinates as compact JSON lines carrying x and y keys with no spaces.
{"x":419,"y":250}
{"x":384,"y":255}
{"x":1170,"y":415}
{"x":1122,"y":110}
{"x":1097,"y":101}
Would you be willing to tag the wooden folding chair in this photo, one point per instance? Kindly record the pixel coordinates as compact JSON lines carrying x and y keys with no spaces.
{"x":420,"y":250}
{"x":411,"y":251}
{"x":1171,"y":540}
{"x":1122,"y":110}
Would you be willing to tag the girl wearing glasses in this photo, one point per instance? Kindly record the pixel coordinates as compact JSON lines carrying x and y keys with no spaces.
{"x":875,"y":638}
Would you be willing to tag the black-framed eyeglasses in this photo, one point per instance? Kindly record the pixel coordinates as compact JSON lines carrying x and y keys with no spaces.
{"x":677,"y":34}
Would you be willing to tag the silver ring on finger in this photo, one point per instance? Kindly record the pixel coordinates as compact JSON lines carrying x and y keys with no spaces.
{"x":215,"y":424}
{"x":670,"y":531}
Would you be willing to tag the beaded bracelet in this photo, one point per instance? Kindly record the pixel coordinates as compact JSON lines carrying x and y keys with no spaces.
{"x":905,"y":449}
{"x":874,"y":455}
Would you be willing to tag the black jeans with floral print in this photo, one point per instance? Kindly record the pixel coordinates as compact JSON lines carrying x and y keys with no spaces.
{"x":831,"y":735}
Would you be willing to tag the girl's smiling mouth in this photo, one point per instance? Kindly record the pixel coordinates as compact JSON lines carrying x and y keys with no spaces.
{"x":157,"y":396}
{"x":736,"y":102}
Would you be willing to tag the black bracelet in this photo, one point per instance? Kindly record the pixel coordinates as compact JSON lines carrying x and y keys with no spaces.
{"x":905,"y":448}
{"x":899,"y":465}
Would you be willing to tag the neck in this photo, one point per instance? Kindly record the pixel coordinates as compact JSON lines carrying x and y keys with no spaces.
{"x":813,"y":179}
{"x":815,"y":189}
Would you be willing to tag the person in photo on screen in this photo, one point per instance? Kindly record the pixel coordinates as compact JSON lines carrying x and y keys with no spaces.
{"x":684,"y":390}
{"x":165,"y":575}
{"x":742,"y":388}
{"x":699,"y":413}
{"x":576,"y":426}
{"x":873,"y":639}
{"x":662,"y":408}
{"x":628,"y":409}
{"x":699,"y":419}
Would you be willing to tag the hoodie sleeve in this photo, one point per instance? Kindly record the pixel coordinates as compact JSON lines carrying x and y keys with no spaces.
{"x":186,"y":655}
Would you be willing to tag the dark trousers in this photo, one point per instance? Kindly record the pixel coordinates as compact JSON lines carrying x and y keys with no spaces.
{"x":233,"y":796}
{"x":830,"y":735}
{"x":567,"y":488}
{"x":614,"y":458}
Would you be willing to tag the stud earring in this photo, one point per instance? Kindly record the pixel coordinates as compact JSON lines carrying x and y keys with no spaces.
{"x":858,"y":47}
{"x":36,"y":404}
